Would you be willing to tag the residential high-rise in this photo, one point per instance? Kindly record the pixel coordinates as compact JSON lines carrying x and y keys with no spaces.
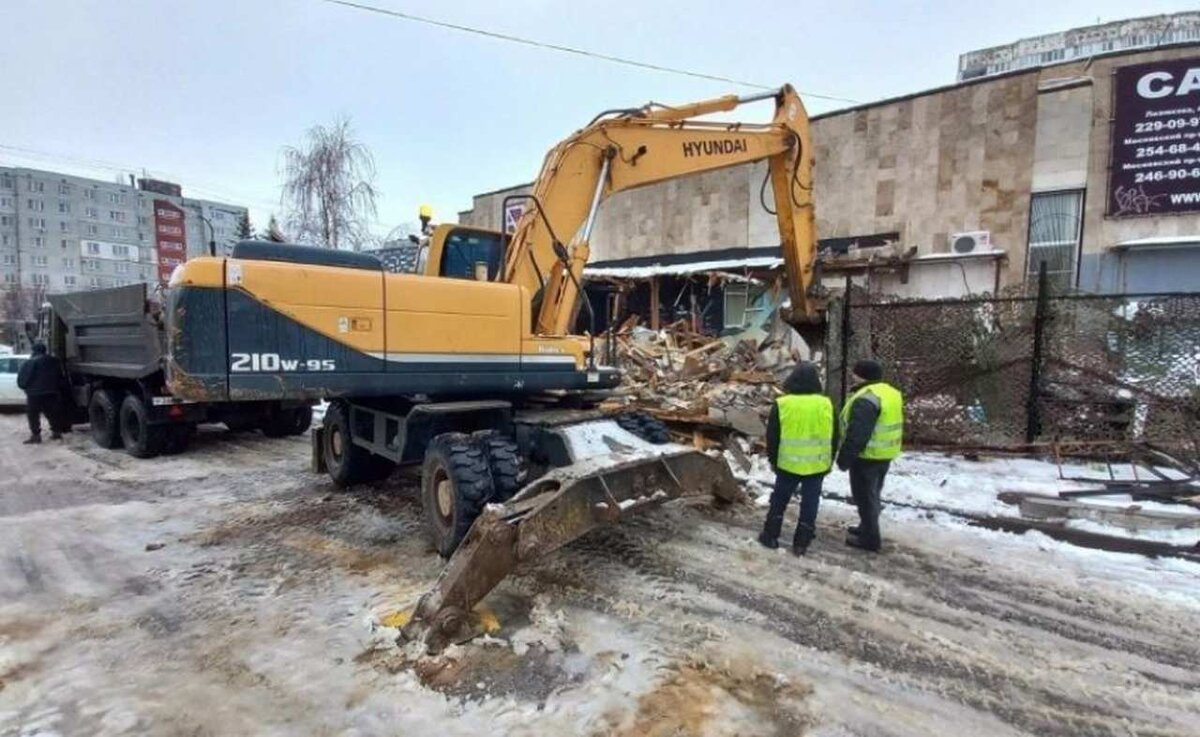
{"x":60,"y":232}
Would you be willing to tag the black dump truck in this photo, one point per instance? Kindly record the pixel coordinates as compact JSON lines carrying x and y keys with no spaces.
{"x":113,"y":345}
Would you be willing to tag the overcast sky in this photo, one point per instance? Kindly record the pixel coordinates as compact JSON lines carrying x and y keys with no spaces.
{"x":206,"y":92}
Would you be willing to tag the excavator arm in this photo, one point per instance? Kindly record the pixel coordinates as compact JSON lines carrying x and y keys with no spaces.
{"x":627,"y":149}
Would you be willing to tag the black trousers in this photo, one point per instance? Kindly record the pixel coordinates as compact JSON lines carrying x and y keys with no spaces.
{"x":786,"y":485}
{"x":866,"y":487}
{"x":38,"y":405}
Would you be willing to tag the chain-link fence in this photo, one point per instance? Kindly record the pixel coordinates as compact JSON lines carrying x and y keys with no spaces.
{"x":1012,"y":370}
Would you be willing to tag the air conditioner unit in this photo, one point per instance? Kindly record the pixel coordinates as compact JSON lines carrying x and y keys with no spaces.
{"x":976,"y":240}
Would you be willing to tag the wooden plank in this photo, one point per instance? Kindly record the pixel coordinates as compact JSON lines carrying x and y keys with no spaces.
{"x":654,"y":306}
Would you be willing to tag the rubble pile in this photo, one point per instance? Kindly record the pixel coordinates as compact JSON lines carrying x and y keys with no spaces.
{"x":685,"y":377}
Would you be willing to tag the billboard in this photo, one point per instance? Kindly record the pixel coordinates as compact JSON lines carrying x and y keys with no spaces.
{"x":1155,"y":139}
{"x":170,"y":237}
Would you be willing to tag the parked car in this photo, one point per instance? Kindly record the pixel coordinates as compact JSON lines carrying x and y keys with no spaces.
{"x":10,"y":394}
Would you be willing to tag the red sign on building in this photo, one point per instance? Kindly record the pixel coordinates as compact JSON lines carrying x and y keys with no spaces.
{"x":170,"y":237}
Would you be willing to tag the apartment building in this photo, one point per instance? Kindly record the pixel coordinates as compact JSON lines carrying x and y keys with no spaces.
{"x":60,"y":232}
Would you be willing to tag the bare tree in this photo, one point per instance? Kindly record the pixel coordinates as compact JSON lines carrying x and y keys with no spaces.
{"x":329,"y":188}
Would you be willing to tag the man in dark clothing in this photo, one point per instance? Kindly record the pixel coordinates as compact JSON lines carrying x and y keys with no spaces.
{"x":872,"y":424}
{"x":801,"y":439}
{"x":41,"y":378}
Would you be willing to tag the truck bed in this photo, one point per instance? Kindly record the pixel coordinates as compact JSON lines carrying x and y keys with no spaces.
{"x":107,"y":332}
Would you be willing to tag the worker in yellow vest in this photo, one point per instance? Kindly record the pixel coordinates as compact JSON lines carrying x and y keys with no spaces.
{"x":800,"y":443}
{"x":872,"y":430}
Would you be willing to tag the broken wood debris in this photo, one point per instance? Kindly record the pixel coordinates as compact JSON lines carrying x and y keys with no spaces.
{"x":686,"y":377}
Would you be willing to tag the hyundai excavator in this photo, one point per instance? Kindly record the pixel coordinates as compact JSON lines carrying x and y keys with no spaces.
{"x":465,"y":363}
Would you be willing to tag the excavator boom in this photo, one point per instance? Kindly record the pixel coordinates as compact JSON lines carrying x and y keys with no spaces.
{"x":634,"y":148}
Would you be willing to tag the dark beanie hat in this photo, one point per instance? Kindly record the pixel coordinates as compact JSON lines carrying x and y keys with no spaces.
{"x":869,"y":370}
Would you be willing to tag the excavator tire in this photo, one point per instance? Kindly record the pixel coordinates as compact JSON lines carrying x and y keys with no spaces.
{"x":347,"y":463}
{"x":280,"y":423}
{"x":301,"y":420}
{"x":505,"y":463}
{"x":455,"y":485}
{"x":647,"y":427}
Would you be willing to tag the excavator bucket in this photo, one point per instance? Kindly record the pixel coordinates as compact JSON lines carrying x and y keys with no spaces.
{"x":549,"y":513}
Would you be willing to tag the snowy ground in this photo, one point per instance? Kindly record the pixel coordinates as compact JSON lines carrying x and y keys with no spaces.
{"x":229,"y":591}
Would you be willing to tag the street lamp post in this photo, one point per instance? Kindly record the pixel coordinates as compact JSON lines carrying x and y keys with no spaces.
{"x":212,"y":235}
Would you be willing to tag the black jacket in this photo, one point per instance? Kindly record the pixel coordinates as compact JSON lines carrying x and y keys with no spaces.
{"x":804,"y":379}
{"x":40,"y":375}
{"x":863,"y":415}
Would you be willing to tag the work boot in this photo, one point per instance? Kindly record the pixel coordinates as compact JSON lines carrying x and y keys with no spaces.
{"x":33,"y":440}
{"x":855,"y":541}
{"x":804,"y":536}
{"x":767,"y":541}
{"x":852,"y":530}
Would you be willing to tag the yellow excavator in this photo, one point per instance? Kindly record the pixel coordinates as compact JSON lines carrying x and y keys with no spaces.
{"x":463,"y":362}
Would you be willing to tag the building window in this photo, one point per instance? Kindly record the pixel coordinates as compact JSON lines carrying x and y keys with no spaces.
{"x":39,"y":241}
{"x":93,"y":282}
{"x":64,"y":206}
{"x":116,"y":216}
{"x":64,"y":226}
{"x":91,"y":265}
{"x":10,"y":278}
{"x":93,"y":248}
{"x":37,"y":186}
{"x":740,"y":305}
{"x":122,"y":268}
{"x":6,"y":201}
{"x":93,"y":229}
{"x":5,"y":220}
{"x":68,"y":263}
{"x":64,"y":242}
{"x":10,"y":259}
{"x":120,"y":251}
{"x":93,"y":213}
{"x":68,"y":280}
{"x":37,"y":205}
{"x":37,"y":223}
{"x":40,"y":280}
{"x":89,"y":194}
{"x":1055,"y":223}
{"x":64,"y":188}
{"x":6,"y":182}
{"x":5,"y":239}
{"x":39,"y":261}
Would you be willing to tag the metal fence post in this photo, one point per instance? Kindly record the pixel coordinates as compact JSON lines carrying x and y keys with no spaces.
{"x":845,"y":340}
{"x":1033,"y":407}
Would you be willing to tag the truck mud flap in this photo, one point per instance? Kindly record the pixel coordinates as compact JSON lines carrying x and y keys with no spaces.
{"x":549,"y":513}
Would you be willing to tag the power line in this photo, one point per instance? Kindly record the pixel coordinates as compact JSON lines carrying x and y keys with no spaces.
{"x":569,"y":49}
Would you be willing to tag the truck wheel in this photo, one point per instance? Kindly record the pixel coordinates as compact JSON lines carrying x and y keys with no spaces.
{"x":140,"y":439}
{"x":455,"y":484}
{"x":505,"y":463}
{"x":177,"y":438}
{"x":104,"y":409}
{"x":347,"y":463}
{"x":647,"y":427}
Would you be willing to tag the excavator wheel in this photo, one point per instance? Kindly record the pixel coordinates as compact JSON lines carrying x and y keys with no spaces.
{"x":347,"y":463}
{"x":505,"y":462}
{"x":455,"y":485}
{"x":647,"y":427}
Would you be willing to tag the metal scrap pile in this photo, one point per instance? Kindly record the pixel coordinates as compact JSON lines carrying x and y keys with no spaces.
{"x":690,"y":379}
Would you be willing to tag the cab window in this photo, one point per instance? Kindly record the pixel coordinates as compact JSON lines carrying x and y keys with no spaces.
{"x":471,"y":254}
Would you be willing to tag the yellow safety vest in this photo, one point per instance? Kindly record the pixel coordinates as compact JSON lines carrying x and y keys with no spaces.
{"x":805,"y":434}
{"x":888,"y":435}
